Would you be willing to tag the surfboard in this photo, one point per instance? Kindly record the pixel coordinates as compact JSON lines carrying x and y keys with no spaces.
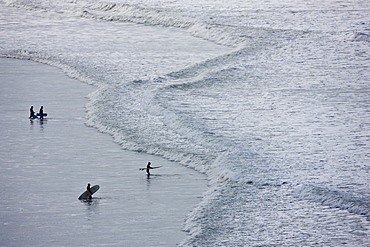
{"x":150,"y":168}
{"x":42,"y":115}
{"x":33,"y":117}
{"x":86,"y":194}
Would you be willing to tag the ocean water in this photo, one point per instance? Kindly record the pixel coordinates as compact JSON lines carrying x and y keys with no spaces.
{"x":269,"y":99}
{"x":45,"y":166}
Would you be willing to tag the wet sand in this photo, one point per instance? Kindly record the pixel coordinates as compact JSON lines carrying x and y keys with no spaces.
{"x":46,"y":165}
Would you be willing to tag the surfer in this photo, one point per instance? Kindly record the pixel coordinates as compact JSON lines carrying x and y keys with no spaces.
{"x":148,"y":167}
{"x":41,"y":112}
{"x":32,"y":112}
{"x":89,"y":190}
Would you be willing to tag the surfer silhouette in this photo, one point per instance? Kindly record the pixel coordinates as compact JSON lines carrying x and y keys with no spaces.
{"x":32,"y":112}
{"x":89,"y":190}
{"x":148,"y":167}
{"x":41,"y":112}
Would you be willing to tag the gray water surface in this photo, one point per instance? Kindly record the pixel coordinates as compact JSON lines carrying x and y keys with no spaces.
{"x":46,"y":165}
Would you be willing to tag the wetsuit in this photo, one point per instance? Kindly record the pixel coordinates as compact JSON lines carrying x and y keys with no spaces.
{"x":32,"y":112}
{"x":89,"y":190}
{"x":41,"y":112}
{"x":148,"y":167}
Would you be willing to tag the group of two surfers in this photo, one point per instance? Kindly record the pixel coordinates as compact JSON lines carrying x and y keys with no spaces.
{"x":41,"y":113}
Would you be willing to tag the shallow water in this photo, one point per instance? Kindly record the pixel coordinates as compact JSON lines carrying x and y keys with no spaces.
{"x":47,"y":164}
{"x":268,"y":98}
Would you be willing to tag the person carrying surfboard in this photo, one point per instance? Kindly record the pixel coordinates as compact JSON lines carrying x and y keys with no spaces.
{"x":90,"y":190}
{"x":148,"y":167}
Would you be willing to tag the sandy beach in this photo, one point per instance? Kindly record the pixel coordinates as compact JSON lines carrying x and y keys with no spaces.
{"x":47,"y":164}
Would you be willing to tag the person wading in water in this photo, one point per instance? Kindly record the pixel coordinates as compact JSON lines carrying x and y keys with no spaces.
{"x":148,"y":167}
{"x":89,"y":190}
{"x":32,"y":112}
{"x":41,"y":112}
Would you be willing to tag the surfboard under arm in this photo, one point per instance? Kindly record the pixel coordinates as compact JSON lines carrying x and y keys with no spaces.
{"x":150,"y":168}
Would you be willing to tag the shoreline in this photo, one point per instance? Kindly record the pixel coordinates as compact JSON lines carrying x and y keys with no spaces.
{"x":47,"y":165}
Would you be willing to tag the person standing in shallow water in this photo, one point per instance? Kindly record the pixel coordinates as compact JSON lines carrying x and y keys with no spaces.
{"x":148,"y":167}
{"x":89,"y":190}
{"x":32,"y":112}
{"x":41,"y":112}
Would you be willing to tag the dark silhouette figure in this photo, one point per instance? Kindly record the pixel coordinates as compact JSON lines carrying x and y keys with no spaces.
{"x":148,"y":167}
{"x":32,"y":112}
{"x":41,"y":112}
{"x":89,"y":190}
